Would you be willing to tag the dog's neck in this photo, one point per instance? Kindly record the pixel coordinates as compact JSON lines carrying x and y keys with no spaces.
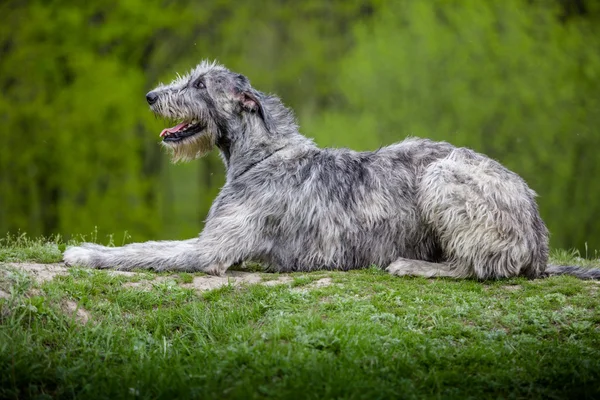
{"x":255,"y":139}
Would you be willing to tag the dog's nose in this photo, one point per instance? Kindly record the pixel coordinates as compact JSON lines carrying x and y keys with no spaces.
{"x":151,"y":98}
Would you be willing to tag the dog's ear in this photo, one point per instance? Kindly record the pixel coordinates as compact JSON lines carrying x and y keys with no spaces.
{"x":251,"y":101}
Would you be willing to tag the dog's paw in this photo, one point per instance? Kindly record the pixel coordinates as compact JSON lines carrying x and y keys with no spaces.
{"x":79,"y":256}
{"x":400,"y":268}
{"x":216,"y":269}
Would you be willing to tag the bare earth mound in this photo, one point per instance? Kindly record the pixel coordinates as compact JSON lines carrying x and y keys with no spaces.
{"x":46,"y":272}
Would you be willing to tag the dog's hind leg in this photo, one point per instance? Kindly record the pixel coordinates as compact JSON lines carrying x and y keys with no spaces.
{"x":407,"y":267}
{"x":485,"y":217}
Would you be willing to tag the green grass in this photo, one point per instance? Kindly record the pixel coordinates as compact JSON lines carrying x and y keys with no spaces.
{"x":22,"y":248}
{"x":368,"y":335}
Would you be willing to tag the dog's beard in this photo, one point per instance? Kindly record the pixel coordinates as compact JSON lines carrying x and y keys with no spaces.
{"x":190,"y":148}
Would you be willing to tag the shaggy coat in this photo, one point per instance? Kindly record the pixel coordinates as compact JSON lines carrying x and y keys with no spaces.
{"x":415,"y":208}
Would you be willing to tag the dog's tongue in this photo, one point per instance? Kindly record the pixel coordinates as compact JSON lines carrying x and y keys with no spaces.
{"x":176,"y":128}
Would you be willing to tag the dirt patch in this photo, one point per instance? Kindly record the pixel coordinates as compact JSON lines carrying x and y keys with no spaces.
{"x":320,"y":283}
{"x":145,"y":284}
{"x":235,"y":278}
{"x":45,"y":272}
{"x":323,"y":282}
{"x":281,"y":280}
{"x":41,"y":272}
{"x":511,"y":288}
{"x":211,"y":282}
{"x":120,"y":273}
{"x":3,"y":294}
{"x":80,"y":315}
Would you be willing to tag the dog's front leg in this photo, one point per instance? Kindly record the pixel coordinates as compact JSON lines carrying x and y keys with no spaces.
{"x":213,"y":252}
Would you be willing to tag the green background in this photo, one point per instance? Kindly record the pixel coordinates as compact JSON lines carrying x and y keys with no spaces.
{"x":517,"y":80}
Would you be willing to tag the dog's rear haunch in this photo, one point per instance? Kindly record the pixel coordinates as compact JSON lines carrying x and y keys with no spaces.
{"x":416,"y":208}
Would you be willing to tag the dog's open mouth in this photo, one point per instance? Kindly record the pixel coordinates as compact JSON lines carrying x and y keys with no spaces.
{"x":182,"y":131}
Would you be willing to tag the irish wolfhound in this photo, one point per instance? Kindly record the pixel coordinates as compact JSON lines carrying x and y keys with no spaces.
{"x":416,"y":208}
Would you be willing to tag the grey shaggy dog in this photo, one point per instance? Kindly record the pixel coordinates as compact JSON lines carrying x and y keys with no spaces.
{"x":415,"y":208}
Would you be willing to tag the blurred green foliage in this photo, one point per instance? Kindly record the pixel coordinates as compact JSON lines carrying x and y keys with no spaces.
{"x":518,"y":80}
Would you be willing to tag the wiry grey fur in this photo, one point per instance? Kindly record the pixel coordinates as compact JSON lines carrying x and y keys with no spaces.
{"x":416,"y":208}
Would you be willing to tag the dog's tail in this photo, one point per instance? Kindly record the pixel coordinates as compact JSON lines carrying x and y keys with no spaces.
{"x":579,"y":272}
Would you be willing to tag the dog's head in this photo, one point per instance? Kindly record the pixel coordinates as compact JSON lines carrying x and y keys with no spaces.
{"x":206,"y":104}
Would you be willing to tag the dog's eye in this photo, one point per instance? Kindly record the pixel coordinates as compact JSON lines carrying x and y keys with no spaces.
{"x":199,"y":84}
